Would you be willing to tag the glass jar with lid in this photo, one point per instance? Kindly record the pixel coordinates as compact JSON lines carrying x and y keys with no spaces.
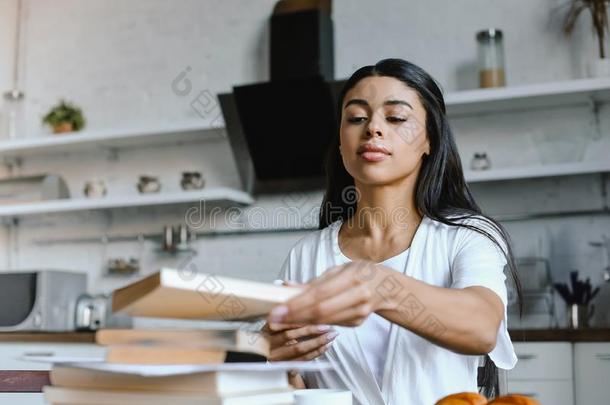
{"x":491,"y":58}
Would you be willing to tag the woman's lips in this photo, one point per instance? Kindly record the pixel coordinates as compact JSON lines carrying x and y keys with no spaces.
{"x":373,"y":152}
{"x":373,"y":156}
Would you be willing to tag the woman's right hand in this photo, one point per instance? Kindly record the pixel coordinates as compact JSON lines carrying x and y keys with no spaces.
{"x":298,"y":342}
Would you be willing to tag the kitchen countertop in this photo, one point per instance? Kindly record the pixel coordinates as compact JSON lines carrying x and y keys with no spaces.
{"x":517,"y":335}
{"x":23,"y":380}
{"x":559,"y":335}
{"x":47,"y":337}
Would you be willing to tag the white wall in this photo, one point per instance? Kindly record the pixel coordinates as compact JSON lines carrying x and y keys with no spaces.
{"x":439,"y":36}
{"x":7,"y":31}
{"x":117,"y":60}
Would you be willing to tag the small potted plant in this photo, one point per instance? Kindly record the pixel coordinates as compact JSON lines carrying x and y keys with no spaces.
{"x":599,"y":17}
{"x":64,"y":117}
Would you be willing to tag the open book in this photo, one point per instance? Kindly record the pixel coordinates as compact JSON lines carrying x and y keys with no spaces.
{"x":172,"y":293}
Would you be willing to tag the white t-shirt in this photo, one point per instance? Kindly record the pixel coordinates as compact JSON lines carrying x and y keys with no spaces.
{"x":415,"y":371}
{"x":374,"y":332}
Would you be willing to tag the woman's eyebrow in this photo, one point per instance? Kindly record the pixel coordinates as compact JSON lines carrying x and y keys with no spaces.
{"x":362,"y":102}
{"x":356,"y":101}
{"x":398,"y":102}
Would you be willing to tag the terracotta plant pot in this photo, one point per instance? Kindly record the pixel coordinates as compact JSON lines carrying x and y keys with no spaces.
{"x":63,"y":127}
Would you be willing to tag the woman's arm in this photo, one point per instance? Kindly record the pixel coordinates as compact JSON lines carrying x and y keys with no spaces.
{"x":463,"y":320}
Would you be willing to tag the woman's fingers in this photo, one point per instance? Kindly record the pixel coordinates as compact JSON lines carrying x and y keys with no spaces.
{"x":357,"y":271}
{"x":338,"y":289}
{"x":339,"y":292}
{"x":285,"y":336}
{"x":329,"y":273}
{"x":305,"y":331}
{"x":352,"y":316}
{"x":293,"y":284}
{"x":306,"y":349}
{"x":314,"y":353}
{"x":301,"y":348}
{"x":274,"y":327}
{"x":317,"y":292}
{"x":355,"y":302}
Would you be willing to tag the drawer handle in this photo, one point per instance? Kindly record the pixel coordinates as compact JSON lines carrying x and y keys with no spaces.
{"x":526,"y":356}
{"x":39,"y":354}
{"x":529,"y":394}
{"x":603,"y":356}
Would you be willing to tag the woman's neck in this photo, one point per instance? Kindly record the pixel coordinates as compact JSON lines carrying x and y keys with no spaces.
{"x":386,"y":210}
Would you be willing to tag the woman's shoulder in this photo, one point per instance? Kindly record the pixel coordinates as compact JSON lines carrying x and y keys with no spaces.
{"x":300,"y":265}
{"x":465,"y":223}
{"x":314,"y":239}
{"x":471,"y":231}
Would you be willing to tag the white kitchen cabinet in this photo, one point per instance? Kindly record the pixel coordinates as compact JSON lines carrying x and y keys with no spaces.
{"x":592,"y":373}
{"x":551,"y":392}
{"x":10,"y":353}
{"x":544,"y":371}
{"x":543,"y":361}
{"x":9,"y":360}
{"x":25,"y":398}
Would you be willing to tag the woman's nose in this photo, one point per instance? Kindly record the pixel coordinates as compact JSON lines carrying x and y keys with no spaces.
{"x":374,"y":132}
{"x":374,"y":129}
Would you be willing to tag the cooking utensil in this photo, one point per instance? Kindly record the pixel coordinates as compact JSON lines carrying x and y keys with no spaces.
{"x":579,"y":315}
{"x":581,"y":293}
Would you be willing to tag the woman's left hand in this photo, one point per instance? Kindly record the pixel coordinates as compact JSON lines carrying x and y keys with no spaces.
{"x":343,"y":295}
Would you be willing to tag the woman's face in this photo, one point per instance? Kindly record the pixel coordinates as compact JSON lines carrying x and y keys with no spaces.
{"x":383,"y":131}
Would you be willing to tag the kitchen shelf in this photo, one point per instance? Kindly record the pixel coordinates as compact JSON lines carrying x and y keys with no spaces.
{"x":526,"y":97}
{"x":213,"y":195}
{"x":110,"y":139}
{"x":469,"y":102}
{"x":527,"y":172}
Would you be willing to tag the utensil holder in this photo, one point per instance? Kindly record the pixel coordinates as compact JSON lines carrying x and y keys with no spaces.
{"x":579,"y":316}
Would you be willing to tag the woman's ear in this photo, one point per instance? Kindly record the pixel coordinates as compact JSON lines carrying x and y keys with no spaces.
{"x":427,"y":147}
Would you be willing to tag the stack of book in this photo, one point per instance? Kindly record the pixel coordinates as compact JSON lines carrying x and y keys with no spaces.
{"x":79,"y":384}
{"x":190,"y":366}
{"x":201,"y":346}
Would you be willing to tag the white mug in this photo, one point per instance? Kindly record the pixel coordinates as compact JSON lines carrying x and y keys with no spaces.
{"x":322,"y":396}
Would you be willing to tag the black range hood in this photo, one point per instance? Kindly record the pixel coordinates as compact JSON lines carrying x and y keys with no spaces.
{"x":279,"y":131}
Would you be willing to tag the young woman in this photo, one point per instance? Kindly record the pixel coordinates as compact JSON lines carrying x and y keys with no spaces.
{"x":405,"y":265}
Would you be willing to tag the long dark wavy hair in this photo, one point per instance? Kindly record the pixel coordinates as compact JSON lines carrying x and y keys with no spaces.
{"x":441,"y":190}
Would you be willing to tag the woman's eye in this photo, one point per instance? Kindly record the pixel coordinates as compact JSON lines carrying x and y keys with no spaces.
{"x":396,"y":119}
{"x":356,"y":120}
